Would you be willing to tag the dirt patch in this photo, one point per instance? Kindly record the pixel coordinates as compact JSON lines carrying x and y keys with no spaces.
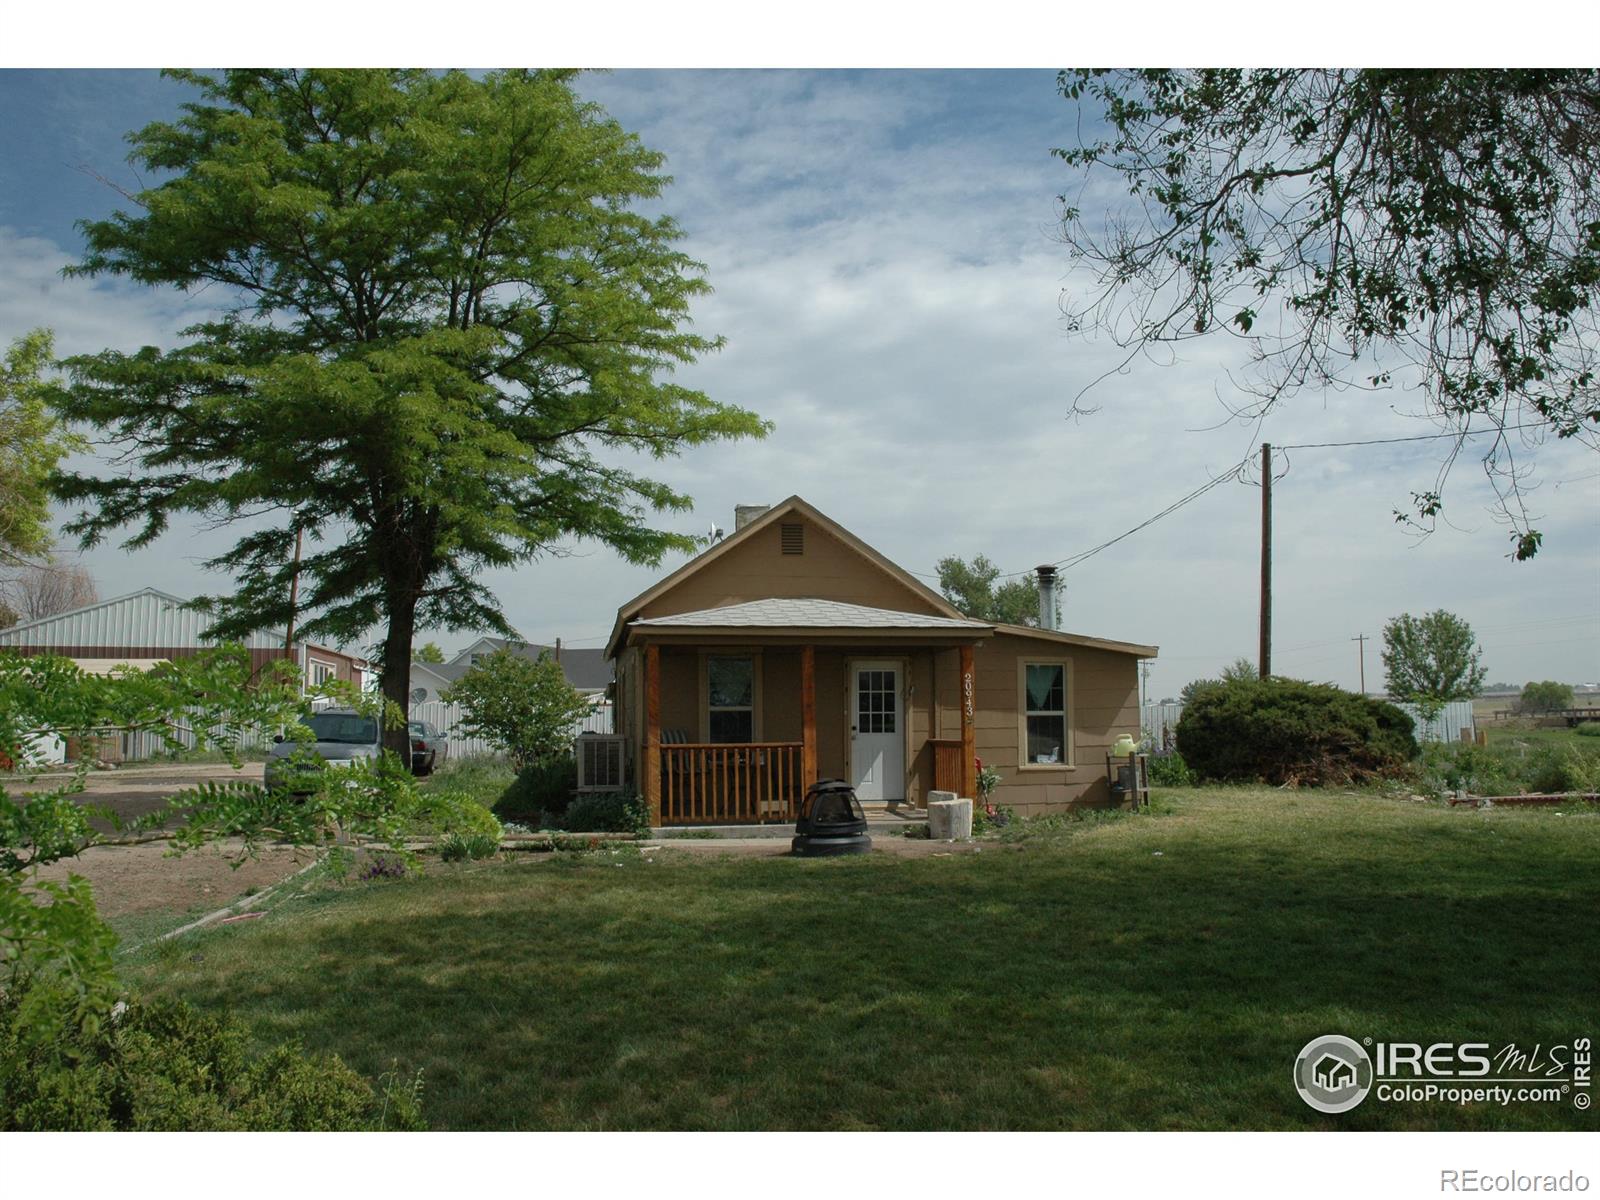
{"x":133,"y":792}
{"x":130,"y":880}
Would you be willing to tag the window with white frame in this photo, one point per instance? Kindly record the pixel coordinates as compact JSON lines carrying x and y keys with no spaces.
{"x":1044,"y":706}
{"x":730,"y":698}
{"x":322,"y":672}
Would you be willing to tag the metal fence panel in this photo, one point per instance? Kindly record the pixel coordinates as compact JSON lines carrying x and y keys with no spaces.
{"x":143,"y":745}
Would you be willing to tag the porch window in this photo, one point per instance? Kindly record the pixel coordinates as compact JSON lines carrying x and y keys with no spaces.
{"x":321,"y":672}
{"x":731,"y":698}
{"x":1044,"y":704}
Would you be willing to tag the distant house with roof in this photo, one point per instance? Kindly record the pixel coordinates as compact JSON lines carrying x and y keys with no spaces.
{"x":151,"y":626}
{"x":588,"y":671}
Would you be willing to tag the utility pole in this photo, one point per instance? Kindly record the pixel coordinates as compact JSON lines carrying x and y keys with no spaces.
{"x":1266,"y":559}
{"x":294,"y":601}
{"x":1362,"y":638}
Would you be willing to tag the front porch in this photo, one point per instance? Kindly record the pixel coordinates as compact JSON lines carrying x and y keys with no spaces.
{"x":742,"y":710}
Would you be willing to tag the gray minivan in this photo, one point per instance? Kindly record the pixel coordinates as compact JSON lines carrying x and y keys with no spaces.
{"x":343,"y":736}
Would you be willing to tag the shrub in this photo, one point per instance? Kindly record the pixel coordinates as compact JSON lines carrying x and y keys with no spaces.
{"x":1169,"y":770}
{"x":987,"y":818}
{"x":164,"y":1066}
{"x":452,"y":812}
{"x":463,"y":847}
{"x":384,"y":866}
{"x":540,"y":791}
{"x":1289,"y":731}
{"x":1473,"y":769}
{"x":607,"y":812}
{"x":1544,"y":696}
{"x":483,"y":778}
{"x":1588,"y":729}
{"x":1562,"y":769}
{"x":526,"y":708}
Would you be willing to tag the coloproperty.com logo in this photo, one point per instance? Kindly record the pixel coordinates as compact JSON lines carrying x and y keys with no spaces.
{"x":1334,"y":1073}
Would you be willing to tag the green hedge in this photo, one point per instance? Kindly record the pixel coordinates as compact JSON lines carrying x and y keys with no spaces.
{"x":607,"y":812}
{"x":1287,"y":731}
{"x":164,"y":1066}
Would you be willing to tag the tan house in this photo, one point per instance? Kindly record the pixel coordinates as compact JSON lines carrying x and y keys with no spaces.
{"x":792,"y":651}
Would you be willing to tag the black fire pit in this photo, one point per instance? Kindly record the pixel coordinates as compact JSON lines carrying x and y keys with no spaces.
{"x":831,"y":821}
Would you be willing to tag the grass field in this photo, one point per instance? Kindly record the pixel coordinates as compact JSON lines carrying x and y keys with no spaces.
{"x":1152,"y":972}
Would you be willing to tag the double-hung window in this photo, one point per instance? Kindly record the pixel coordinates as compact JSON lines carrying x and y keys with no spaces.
{"x":730,"y":695}
{"x":1044,"y":706}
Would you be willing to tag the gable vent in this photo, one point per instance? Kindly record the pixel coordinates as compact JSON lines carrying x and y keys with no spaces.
{"x":792,"y":537}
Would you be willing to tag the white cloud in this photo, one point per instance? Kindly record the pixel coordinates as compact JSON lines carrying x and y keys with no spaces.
{"x":881,"y":251}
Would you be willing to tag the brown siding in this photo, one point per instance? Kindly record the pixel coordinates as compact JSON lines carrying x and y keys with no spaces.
{"x":758,"y":570}
{"x":680,"y":691}
{"x":1103,"y":687}
{"x":780,"y":696}
{"x":1103,"y":702}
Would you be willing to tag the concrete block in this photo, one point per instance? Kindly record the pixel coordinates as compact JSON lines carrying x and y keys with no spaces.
{"x":949,"y":820}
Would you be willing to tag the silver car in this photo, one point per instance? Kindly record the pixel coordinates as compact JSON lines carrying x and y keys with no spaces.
{"x":343,"y":736}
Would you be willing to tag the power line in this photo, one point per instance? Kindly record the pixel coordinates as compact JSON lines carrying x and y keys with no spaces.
{"x":1072,"y":560}
{"x":1420,"y":437}
{"x":1236,"y":471}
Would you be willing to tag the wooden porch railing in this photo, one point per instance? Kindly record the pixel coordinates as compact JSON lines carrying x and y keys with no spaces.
{"x":946,"y":764}
{"x":720,"y":782}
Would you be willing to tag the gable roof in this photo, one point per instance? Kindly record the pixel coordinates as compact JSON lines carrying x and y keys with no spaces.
{"x":7,"y":634}
{"x":789,"y":507}
{"x":587,"y":670}
{"x":1079,"y":639}
{"x":780,"y":613}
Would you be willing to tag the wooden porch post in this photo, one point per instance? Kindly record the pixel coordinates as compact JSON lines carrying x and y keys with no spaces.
{"x":652,"y":732}
{"x":808,"y":717}
{"x":969,"y":727}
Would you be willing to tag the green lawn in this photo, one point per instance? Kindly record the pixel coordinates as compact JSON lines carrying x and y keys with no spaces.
{"x":1508,"y":736}
{"x":1154,"y":972}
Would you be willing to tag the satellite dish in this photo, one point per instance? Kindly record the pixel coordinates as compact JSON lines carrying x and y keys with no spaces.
{"x":714,"y":534}
{"x":418,"y":695}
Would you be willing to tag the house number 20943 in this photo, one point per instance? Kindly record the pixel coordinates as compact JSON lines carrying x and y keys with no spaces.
{"x":966,"y":693}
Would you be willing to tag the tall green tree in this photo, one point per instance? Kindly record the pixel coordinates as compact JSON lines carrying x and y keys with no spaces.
{"x":1351,"y":223}
{"x":976,"y":589}
{"x":1431,"y":660}
{"x":32,"y":443}
{"x":449,"y":336}
{"x":428,"y":652}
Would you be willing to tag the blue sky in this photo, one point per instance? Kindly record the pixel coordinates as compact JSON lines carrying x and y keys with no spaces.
{"x":887,"y":276}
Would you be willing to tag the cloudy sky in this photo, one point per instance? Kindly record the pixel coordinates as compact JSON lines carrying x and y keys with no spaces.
{"x":888,"y":278}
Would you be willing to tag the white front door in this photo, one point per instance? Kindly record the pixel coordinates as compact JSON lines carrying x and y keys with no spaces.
{"x":877,"y":741}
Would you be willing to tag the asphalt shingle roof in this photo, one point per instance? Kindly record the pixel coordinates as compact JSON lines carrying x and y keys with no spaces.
{"x":808,"y":614}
